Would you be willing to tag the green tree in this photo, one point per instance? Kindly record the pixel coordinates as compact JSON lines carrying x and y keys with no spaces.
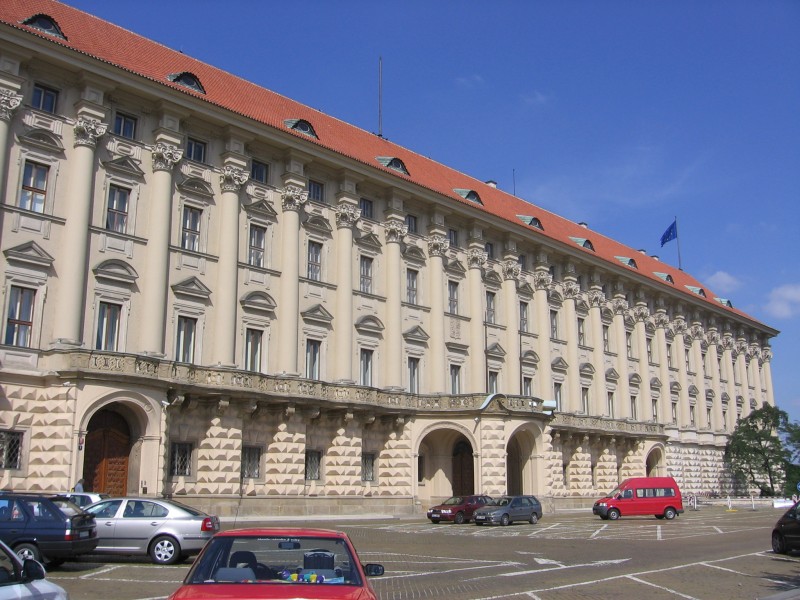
{"x":756,"y":452}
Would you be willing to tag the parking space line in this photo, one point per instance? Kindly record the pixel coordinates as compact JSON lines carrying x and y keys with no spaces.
{"x":661,"y":587}
{"x":100,"y":572}
{"x":543,"y":529}
{"x":598,"y":532}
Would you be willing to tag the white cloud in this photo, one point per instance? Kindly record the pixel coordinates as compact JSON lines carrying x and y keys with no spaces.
{"x":784,"y":301}
{"x":470,"y":82}
{"x":724,"y":282}
{"x":533,"y":99}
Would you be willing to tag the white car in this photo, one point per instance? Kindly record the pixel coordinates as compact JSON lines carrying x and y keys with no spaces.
{"x":83,"y":499}
{"x":23,"y":580}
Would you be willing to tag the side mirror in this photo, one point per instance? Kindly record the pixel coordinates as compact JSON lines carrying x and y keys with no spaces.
{"x":32,"y":570}
{"x":373,"y":570}
{"x":618,"y":497}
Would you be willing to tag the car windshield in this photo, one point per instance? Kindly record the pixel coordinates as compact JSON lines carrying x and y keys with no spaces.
{"x":455,"y":500}
{"x":275,"y":560}
{"x":500,"y":501}
{"x":66,"y":506}
{"x":613,"y":493}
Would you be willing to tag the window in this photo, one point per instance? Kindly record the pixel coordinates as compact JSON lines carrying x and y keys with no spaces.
{"x":314,"y":261}
{"x":649,"y":344}
{"x":117,"y":213}
{"x":368,"y":466}
{"x":581,"y":331}
{"x":420,"y":468}
{"x":34,"y":187}
{"x":196,"y":150}
{"x":490,"y":310}
{"x":452,"y":235}
{"x":669,"y":355}
{"x":313,"y":463}
{"x":108,"y":322}
{"x":257,"y":246}
{"x":585,"y":400}
{"x":365,"y":279}
{"x":190,"y":230}
{"x":522,"y":262}
{"x":251,"y":462}
{"x":674,"y":412}
{"x":365,"y":204}
{"x":180,"y":461}
{"x":703,"y":362}
{"x":654,"y":402}
{"x":527,"y":386}
{"x":492,"y":382}
{"x":11,"y":450}
{"x":523,"y":316}
{"x":413,"y":375}
{"x":629,"y":344}
{"x":125,"y":126}
{"x":313,"y":348}
{"x":411,"y":286}
{"x":554,"y":324}
{"x":184,"y":346}
{"x":366,"y":367}
{"x":411,"y":223}
{"x":452,"y":297}
{"x":606,"y":339}
{"x":44,"y":98}
{"x":611,"y":412}
{"x":691,"y":415}
{"x":634,"y":408}
{"x":708,"y":417}
{"x":316,"y":191}
{"x":455,"y":379}
{"x":252,"y":349}
{"x":19,"y":323}
{"x":489,"y":249}
{"x":688,"y":362}
{"x":557,"y":395}
{"x":259,"y":171}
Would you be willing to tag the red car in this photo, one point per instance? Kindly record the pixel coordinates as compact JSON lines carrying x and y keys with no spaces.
{"x":287,"y":563}
{"x":458,"y":509}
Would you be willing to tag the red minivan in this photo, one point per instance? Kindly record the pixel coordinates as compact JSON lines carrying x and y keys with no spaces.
{"x":657,"y":496}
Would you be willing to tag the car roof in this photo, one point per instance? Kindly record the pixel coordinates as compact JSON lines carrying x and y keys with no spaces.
{"x":282,"y":532}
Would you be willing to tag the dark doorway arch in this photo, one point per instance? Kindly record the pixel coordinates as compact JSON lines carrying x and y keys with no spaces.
{"x":463,"y":469}
{"x":514,"y":467}
{"x":654,"y":463}
{"x":108,"y":446}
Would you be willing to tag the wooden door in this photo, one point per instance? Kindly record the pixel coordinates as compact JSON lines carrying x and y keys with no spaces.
{"x":463,"y":470}
{"x":105,"y":466}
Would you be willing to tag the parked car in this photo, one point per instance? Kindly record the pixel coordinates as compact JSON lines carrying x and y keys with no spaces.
{"x":279,"y":563}
{"x":84,"y":499}
{"x":657,"y":496}
{"x":507,"y":509}
{"x":36,"y":528}
{"x":786,"y":533}
{"x":165,"y":529}
{"x":25,"y":580}
{"x":458,"y":509}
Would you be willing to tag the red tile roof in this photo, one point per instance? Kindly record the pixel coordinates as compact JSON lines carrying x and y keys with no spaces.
{"x":119,"y":47}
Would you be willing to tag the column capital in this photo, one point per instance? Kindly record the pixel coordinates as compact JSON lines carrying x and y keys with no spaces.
{"x":347,"y":215}
{"x":165,"y":156}
{"x":395,"y":230}
{"x":437,"y":245}
{"x":87,"y":131}
{"x":511,"y":269}
{"x":571,"y":289}
{"x":620,"y":305}
{"x":476,"y":258}
{"x":293,"y":198}
{"x":679,"y":325}
{"x":9,"y":101}
{"x":542,"y":280}
{"x":597,"y":298}
{"x":661,"y":319}
{"x":726,"y":342}
{"x":232,"y":179}
{"x":641,"y":312}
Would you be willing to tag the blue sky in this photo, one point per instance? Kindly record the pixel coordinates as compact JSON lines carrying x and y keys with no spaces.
{"x":622,"y":114}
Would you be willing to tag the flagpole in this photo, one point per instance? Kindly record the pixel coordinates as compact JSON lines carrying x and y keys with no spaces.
{"x":678,"y":239}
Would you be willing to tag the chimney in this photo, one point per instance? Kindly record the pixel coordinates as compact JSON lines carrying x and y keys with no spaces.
{"x":584,"y":224}
{"x":655,"y":257}
{"x":642,"y":251}
{"x":491,"y":183}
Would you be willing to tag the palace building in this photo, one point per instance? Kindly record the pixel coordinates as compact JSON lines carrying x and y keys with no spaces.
{"x":214,"y":292}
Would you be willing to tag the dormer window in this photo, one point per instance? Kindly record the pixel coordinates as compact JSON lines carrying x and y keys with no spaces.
{"x":665,"y":276}
{"x":532,"y":221}
{"x":187,"y":79}
{"x":393,"y":163}
{"x":470,"y":195}
{"x":696,"y":290}
{"x":301,"y":126}
{"x":583,"y":243}
{"x":628,"y":262}
{"x":724,"y":302}
{"x":45,"y":24}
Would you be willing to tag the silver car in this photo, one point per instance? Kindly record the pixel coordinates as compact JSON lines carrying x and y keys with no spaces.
{"x":507,"y":509}
{"x":166,"y":530}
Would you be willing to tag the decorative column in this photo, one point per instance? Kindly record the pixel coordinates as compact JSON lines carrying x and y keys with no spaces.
{"x":395,"y":230}
{"x":767,"y":373}
{"x":155,"y":277}
{"x":718,"y":423}
{"x":740,"y":357}
{"x":69,"y":304}
{"x":683,"y":377}
{"x":476,"y":259}
{"x":726,"y":344}
{"x":224,"y":348}
{"x":9,"y":101}
{"x":437,"y":246}
{"x":620,"y":305}
{"x":511,"y":272}
{"x":293,"y":198}
{"x":665,"y":400}
{"x":571,"y":291}
{"x":347,"y":216}
{"x":755,"y":367}
{"x":541,"y":305}
{"x":697,"y":335}
{"x":597,"y":300}
{"x":643,"y":401}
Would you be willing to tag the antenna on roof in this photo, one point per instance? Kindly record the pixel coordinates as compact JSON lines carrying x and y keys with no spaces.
{"x":380,"y":96}
{"x":514,"y":180}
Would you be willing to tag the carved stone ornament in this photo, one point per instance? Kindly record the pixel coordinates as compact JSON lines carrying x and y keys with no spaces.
{"x":437,"y":245}
{"x":641,"y":312}
{"x":347,"y":215}
{"x":87,"y":131}
{"x":596,"y":298}
{"x":395,"y":231}
{"x":571,"y":289}
{"x":766,"y":354}
{"x":679,"y":325}
{"x":713,"y":337}
{"x":727,"y":342}
{"x":476,"y":258}
{"x":165,"y":156}
{"x":9,"y":101}
{"x":542,"y":280}
{"x":511,"y":269}
{"x":741,"y":347}
{"x":619,"y":305}
{"x":293,"y":197}
{"x":697,"y":332}
{"x":232,"y":179}
{"x":661,"y":319}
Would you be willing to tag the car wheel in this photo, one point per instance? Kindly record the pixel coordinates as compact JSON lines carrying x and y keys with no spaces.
{"x":28,"y":552}
{"x":670,"y":514}
{"x":435,"y":521}
{"x":164,"y":550}
{"x":478,"y":523}
{"x":459,"y":520}
{"x":613,"y":514}
{"x":505,"y":520}
{"x":534,"y":518}
{"x":778,"y":543}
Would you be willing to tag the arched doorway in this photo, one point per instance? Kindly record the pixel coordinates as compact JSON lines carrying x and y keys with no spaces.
{"x":108,"y":446}
{"x":513,"y":467}
{"x":654,"y":466}
{"x":463,"y":469}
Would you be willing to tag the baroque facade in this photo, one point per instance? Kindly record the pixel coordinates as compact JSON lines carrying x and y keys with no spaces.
{"x":213,"y":292}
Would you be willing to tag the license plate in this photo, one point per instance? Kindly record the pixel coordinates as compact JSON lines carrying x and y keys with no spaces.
{"x":83,"y":534}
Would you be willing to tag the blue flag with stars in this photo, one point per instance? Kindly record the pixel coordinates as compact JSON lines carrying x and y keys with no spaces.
{"x":671,"y":233}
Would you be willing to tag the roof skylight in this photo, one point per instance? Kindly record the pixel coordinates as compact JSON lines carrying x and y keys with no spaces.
{"x":187,"y":79}
{"x":301,"y":126}
{"x":394,"y":163}
{"x":724,"y":302}
{"x":532,"y":221}
{"x":583,"y":243}
{"x":628,"y":262}
{"x":696,"y":290}
{"x":665,"y":276}
{"x":470,"y":195}
{"x":45,"y":24}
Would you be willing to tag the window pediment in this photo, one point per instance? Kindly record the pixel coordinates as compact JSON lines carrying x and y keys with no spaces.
{"x":319,"y":225}
{"x":124,"y":165}
{"x":495,"y":351}
{"x":454,"y":267}
{"x":416,"y":334}
{"x":655,"y":383}
{"x":196,"y":186}
{"x":42,"y":139}
{"x":259,"y":302}
{"x":30,"y":254}
{"x":634,"y":379}
{"x":492,"y":279}
{"x":317,"y":314}
{"x":369,"y":241}
{"x":193,"y":288}
{"x":530,"y":357}
{"x":559,"y":364}
{"x":369,"y":324}
{"x":586,"y":369}
{"x":116,"y":271}
{"x":612,"y":375}
{"x":414,"y":255}
{"x":457,"y":347}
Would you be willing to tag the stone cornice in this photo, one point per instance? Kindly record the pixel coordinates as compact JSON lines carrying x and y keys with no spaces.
{"x":591,"y":424}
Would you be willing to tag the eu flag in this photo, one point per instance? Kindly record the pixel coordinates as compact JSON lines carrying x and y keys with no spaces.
{"x":671,"y":233}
